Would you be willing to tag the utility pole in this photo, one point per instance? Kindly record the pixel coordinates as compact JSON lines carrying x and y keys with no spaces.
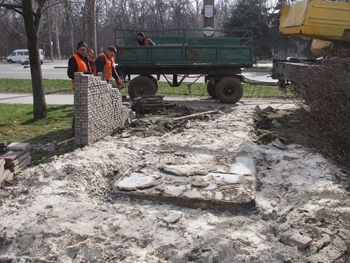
{"x":208,"y":17}
{"x":91,"y":26}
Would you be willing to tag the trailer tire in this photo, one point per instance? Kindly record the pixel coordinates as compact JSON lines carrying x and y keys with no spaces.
{"x":229,"y":90}
{"x":211,"y":90}
{"x":154,"y":80}
{"x":141,"y":86}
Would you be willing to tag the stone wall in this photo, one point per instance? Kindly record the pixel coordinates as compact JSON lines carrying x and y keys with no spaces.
{"x":98,"y":109}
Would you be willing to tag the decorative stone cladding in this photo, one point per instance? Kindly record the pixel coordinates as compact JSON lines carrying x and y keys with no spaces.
{"x":98,"y":109}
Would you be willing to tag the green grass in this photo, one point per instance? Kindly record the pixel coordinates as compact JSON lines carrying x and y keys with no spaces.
{"x":51,"y":86}
{"x":17,"y":125}
{"x":62,"y":86}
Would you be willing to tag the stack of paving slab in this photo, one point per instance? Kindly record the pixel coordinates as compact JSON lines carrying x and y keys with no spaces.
{"x":13,"y":157}
{"x":152,"y":103}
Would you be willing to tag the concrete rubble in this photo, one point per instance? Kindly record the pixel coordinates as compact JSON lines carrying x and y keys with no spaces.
{"x":203,"y":191}
{"x":195,"y":185}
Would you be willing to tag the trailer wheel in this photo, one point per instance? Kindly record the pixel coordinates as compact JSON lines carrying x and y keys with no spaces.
{"x":229,"y":90}
{"x":211,"y":90}
{"x":154,"y":80}
{"x":141,"y":86}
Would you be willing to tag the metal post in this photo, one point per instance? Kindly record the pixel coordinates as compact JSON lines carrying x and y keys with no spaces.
{"x":208,"y":17}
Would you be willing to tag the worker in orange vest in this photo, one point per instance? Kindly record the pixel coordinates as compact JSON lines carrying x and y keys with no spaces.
{"x":78,"y":62}
{"x":105,"y":63}
{"x":143,"y":41}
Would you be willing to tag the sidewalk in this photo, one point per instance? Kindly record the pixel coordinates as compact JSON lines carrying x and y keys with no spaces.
{"x":28,"y":98}
{"x":192,"y":101}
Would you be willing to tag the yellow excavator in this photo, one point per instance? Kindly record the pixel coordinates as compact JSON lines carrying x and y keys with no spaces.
{"x":326,"y":22}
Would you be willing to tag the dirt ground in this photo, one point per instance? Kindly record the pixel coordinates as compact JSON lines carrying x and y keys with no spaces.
{"x":67,"y":210}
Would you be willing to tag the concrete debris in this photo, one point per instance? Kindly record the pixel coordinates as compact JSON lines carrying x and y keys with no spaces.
{"x":186,"y":170}
{"x":136,"y":181}
{"x":277,"y":143}
{"x":49,"y":147}
{"x":196,"y":115}
{"x":172,"y":217}
{"x":243,"y":165}
{"x":289,"y":158}
{"x":257,"y":109}
{"x":268,"y":109}
{"x":295,"y":239}
{"x":243,"y":202}
{"x":196,"y":185}
{"x":276,"y":123}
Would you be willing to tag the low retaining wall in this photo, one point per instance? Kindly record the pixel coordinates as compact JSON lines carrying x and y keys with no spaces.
{"x":98,"y":109}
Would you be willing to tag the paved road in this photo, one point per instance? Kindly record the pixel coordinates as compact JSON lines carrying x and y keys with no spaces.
{"x":19,"y":71}
{"x":58,"y":70}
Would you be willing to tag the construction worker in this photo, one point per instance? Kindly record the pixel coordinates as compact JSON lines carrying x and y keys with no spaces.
{"x":78,"y":62}
{"x":90,"y":59}
{"x":105,"y":63}
{"x":143,"y":41}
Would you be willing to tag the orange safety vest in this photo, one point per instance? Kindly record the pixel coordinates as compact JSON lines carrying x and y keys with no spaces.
{"x":107,"y":68}
{"x":146,"y":42}
{"x":81,"y":66}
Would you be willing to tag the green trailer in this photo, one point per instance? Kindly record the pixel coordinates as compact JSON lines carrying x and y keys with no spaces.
{"x":182,"y":54}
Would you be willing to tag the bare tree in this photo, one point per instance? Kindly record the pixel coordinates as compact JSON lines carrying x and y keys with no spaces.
{"x":71,"y":21}
{"x":12,"y":31}
{"x":50,"y":36}
{"x":31,"y":21}
{"x":91,"y":29}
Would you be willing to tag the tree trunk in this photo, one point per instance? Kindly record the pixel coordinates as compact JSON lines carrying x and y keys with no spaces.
{"x":39,"y":102}
{"x":58,"y":41}
{"x":91,"y":31}
{"x":50,"y":36}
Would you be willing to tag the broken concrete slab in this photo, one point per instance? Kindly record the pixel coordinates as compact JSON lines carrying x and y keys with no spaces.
{"x":136,"y":181}
{"x":243,"y":165}
{"x":186,"y":169}
{"x":277,"y":143}
{"x":172,"y":216}
{"x":295,"y":239}
{"x":216,"y":190}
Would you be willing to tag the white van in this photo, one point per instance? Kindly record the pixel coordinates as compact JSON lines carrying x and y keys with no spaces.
{"x":20,"y":55}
